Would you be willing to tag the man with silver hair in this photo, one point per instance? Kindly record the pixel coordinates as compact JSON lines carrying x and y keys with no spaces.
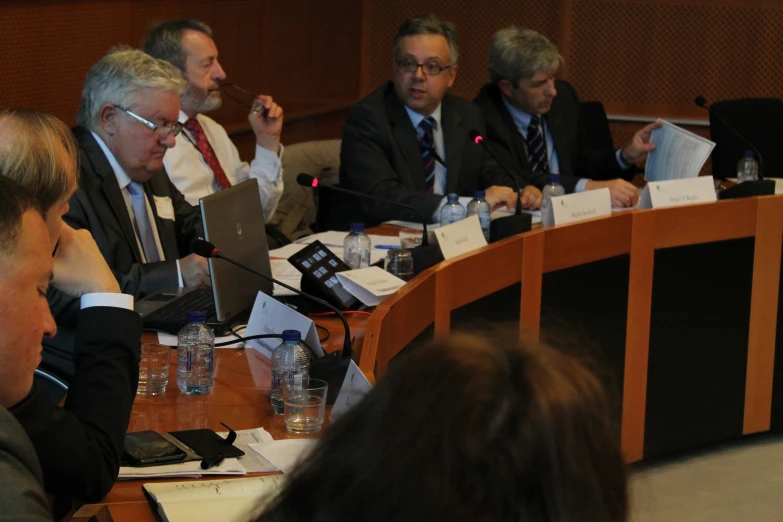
{"x":205,"y":160}
{"x":533,"y":121}
{"x":409,"y":141}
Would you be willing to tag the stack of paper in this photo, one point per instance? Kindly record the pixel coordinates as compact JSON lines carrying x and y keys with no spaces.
{"x":226,"y":500}
{"x":285,"y":454}
{"x":370,"y":285}
{"x":252,"y":461}
{"x":182,"y":470}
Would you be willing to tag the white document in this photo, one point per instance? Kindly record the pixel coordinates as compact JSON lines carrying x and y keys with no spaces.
{"x":330,"y":238}
{"x":355,"y":387}
{"x":286,"y":273}
{"x":411,"y":224}
{"x":270,"y":316}
{"x":251,"y":460}
{"x":207,"y":501}
{"x":182,"y":469}
{"x":661,"y":194}
{"x":461,"y":237}
{"x":579,"y":206}
{"x":370,"y":285}
{"x":167,"y":339}
{"x":678,"y":153}
{"x":286,"y":251}
{"x":285,"y":454}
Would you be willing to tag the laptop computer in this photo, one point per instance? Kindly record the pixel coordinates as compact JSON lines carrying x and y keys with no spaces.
{"x":234,"y":221}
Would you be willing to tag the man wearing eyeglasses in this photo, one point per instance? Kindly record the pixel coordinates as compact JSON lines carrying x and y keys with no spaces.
{"x":409,"y":140}
{"x":140,"y":221}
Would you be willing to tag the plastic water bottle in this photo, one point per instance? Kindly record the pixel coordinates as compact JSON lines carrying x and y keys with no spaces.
{"x":290,"y":365}
{"x":479,"y":205}
{"x":196,"y":356}
{"x":356,"y":247}
{"x":452,"y":211}
{"x":552,"y":189}
{"x":747,"y":168}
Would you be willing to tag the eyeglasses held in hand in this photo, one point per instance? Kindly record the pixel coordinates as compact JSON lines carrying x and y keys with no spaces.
{"x":251,"y":106}
{"x":429,"y":68}
{"x":162,"y":131}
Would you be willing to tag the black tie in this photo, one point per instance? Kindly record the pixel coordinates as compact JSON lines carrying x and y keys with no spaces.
{"x":536,"y":146}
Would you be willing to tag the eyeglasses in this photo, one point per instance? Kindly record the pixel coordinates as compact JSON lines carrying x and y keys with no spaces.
{"x":162,"y":131}
{"x":429,"y":68}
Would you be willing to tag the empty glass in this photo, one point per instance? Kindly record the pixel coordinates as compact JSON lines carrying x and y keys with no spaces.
{"x":153,"y":369}
{"x":399,"y":263}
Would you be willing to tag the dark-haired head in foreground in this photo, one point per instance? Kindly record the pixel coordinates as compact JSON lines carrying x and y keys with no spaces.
{"x":468,"y":428}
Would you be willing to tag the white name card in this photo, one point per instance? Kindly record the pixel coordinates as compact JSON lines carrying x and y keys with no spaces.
{"x":370,"y":285}
{"x":578,"y":207}
{"x":270,"y":316}
{"x":355,"y":387}
{"x":461,"y":237}
{"x":672,"y":193}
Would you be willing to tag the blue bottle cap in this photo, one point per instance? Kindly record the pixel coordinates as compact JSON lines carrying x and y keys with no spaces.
{"x":479,"y":194}
{"x":357,"y":227}
{"x":452,"y":198}
{"x":554,"y":179}
{"x":291,"y":336}
{"x":197,"y":317}
{"x":749,"y":154}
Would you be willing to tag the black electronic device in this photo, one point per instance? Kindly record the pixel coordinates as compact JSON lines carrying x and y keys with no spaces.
{"x":319,"y":267}
{"x":149,"y":448}
{"x":746,"y":189}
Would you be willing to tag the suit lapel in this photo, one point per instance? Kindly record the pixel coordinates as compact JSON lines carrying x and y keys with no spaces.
{"x":406,"y":138}
{"x":517,"y":140}
{"x":108,"y":181}
{"x":453,"y":142}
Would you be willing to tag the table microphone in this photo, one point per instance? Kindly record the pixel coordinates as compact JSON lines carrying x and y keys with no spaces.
{"x":306,"y":180}
{"x":331,"y":367}
{"x":701,"y":101}
{"x":510,"y":225}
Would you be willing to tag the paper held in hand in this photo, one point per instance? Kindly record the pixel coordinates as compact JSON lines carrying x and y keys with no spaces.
{"x":678,"y":154}
{"x":661,"y":194}
{"x":370,"y":285}
{"x":578,"y":207}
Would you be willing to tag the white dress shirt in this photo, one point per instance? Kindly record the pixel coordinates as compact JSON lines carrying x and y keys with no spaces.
{"x":522,"y":121}
{"x":123,"y":180}
{"x":193,"y":177}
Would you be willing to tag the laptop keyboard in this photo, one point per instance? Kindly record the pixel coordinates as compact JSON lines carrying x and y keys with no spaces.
{"x":177,"y":311}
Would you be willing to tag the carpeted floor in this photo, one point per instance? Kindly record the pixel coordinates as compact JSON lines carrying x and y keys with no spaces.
{"x":736,"y":482}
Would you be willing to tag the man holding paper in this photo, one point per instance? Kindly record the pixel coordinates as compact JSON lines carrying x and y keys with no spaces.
{"x":534,"y":125}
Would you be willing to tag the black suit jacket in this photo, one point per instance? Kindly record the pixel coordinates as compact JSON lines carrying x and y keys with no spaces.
{"x":99,"y":207}
{"x":80,"y":445}
{"x":576,"y":159}
{"x":380,"y":155}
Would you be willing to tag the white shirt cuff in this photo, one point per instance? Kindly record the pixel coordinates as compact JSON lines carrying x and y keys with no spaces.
{"x":267,"y":162}
{"x":107,"y":299}
{"x":581,"y":184}
{"x":619,"y":156}
{"x":179,"y":276}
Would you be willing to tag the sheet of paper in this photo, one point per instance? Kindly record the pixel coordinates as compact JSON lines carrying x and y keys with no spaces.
{"x":354,"y":388}
{"x":330,"y":238}
{"x":678,"y":153}
{"x":171,"y":339}
{"x":286,"y":251}
{"x":370,"y":285}
{"x":183,"y":469}
{"x":252,"y":461}
{"x":411,"y":224}
{"x":285,"y":454}
{"x":270,"y":316}
{"x":461,"y":237}
{"x":286,"y":273}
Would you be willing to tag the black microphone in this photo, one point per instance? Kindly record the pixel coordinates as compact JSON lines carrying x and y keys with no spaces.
{"x":306,"y":180}
{"x":478,"y":139}
{"x":510,"y":225}
{"x":331,"y":367}
{"x":701,"y":101}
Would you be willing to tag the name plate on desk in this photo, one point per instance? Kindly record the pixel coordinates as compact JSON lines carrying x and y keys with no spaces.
{"x":370,"y":285}
{"x":461,"y":237}
{"x":578,"y":207}
{"x":673,"y":193}
{"x":270,"y":316}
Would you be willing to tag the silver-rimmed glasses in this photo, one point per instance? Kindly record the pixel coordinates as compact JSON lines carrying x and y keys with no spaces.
{"x":162,"y":131}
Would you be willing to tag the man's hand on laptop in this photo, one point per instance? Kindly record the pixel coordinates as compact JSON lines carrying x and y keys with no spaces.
{"x":79,"y":267}
{"x":195,"y":271}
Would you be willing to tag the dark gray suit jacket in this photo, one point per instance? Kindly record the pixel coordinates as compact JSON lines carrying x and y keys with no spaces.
{"x":576,"y":159}
{"x":380,"y":155}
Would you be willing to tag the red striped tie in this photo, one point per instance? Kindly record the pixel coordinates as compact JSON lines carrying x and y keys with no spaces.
{"x":206,"y":151}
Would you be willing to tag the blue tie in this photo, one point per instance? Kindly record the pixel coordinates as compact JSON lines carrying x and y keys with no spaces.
{"x":143,"y":227}
{"x":536,"y":145}
{"x":427,"y":146}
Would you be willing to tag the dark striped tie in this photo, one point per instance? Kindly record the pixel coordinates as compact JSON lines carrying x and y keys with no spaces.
{"x":427,"y":146}
{"x":536,"y":146}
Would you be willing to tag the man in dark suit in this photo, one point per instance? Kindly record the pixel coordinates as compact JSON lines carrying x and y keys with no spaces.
{"x":409,"y":140}
{"x":534,"y":125}
{"x":141,"y":222}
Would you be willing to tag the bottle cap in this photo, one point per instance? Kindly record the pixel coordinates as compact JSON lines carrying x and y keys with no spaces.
{"x":479,"y":194}
{"x":554,"y":179}
{"x":357,"y":227}
{"x":452,"y":198}
{"x":748,"y":154}
{"x":291,"y":336}
{"x":197,"y":317}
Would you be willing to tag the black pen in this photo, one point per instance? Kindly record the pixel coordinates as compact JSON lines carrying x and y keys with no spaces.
{"x":212,"y":461}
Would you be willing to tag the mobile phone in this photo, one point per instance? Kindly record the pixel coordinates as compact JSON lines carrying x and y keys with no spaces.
{"x":148,"y":448}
